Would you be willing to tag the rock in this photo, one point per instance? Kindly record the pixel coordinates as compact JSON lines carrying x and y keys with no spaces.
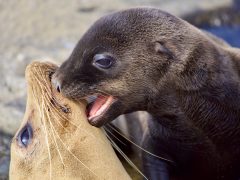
{"x":4,"y":155}
{"x":4,"y":167}
{"x":21,"y":63}
{"x":10,"y":119}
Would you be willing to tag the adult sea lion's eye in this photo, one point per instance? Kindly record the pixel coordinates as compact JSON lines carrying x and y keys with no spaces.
{"x":25,"y":136}
{"x":102,"y":61}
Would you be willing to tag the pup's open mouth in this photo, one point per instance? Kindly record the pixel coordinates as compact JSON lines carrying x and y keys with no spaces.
{"x":97,"y":106}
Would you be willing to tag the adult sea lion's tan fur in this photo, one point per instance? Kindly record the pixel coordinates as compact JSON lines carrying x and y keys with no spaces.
{"x":64,"y":145}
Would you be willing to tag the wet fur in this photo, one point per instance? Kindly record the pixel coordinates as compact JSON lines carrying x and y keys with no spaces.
{"x":185,"y":78}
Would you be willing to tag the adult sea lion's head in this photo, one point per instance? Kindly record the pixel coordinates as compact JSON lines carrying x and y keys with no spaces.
{"x":125,"y":59}
{"x":55,"y":140}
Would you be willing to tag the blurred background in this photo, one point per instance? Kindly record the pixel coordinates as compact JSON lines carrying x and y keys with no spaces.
{"x":39,"y":29}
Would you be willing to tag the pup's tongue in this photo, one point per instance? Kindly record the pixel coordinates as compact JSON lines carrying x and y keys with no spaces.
{"x":100,"y":105}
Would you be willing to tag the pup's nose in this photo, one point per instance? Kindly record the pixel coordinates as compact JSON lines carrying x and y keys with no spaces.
{"x":56,"y":82}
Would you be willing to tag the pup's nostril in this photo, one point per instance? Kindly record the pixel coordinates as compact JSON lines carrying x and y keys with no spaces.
{"x":58,"y":87}
{"x":56,"y":83}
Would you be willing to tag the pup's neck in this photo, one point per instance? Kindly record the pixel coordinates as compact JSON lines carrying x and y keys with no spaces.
{"x":204,"y":95}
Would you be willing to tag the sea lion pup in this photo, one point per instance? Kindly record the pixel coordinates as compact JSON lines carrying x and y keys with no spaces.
{"x":146,"y":59}
{"x":55,"y":140}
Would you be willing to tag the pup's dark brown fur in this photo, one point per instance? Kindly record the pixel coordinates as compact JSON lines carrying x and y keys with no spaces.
{"x":186,"y":79}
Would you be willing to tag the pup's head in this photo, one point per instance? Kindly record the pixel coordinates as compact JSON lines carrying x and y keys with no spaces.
{"x":121,"y":61}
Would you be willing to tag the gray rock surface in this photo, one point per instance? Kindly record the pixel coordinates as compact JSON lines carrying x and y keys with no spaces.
{"x":4,"y":155}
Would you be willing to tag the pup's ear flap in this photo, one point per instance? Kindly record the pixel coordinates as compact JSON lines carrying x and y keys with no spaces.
{"x":161,"y":48}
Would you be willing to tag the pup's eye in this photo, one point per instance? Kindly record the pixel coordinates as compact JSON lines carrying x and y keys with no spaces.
{"x":102,"y":61}
{"x":25,"y":136}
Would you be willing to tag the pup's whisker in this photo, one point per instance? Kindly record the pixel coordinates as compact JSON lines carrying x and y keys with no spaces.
{"x":105,"y":128}
{"x":140,"y":146}
{"x":125,"y":156}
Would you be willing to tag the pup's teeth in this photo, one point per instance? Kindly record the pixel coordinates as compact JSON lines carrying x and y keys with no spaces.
{"x":91,"y":99}
{"x":98,"y":103}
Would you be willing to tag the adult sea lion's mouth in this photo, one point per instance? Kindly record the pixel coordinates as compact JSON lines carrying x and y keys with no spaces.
{"x":97,"y":106}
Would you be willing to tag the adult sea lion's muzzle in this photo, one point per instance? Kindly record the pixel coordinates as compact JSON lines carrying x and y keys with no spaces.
{"x":55,"y":140}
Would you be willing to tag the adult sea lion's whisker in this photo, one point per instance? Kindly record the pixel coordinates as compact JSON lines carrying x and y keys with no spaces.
{"x":78,"y":127}
{"x":140,"y":146}
{"x":72,"y":152}
{"x":56,"y":133}
{"x":61,"y":116}
{"x":44,"y":119}
{"x":54,"y":139}
{"x":49,"y":152}
{"x":46,"y":138}
{"x":48,"y":89}
{"x":48,"y":100}
{"x":48,"y":96}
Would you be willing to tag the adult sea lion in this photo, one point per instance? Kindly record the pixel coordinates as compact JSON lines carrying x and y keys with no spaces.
{"x":55,"y":141}
{"x":146,"y":59}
